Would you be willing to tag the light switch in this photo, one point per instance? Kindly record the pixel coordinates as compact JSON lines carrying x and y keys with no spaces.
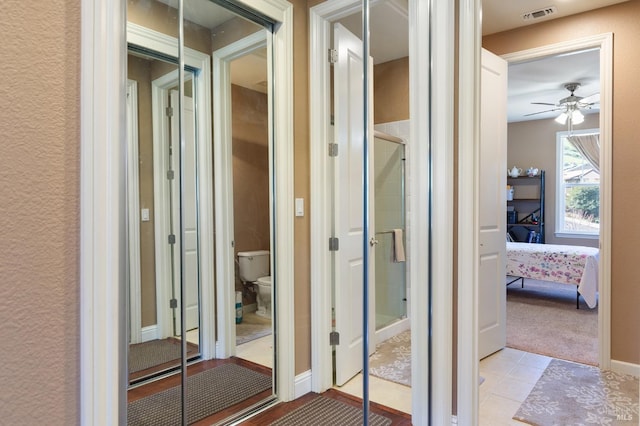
{"x":299,"y":207}
{"x":144,"y":215}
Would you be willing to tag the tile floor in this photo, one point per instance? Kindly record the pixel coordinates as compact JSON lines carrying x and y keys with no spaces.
{"x":509,"y":376}
{"x":259,"y":351}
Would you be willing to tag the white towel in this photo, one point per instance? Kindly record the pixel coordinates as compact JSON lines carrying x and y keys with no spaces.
{"x":398,"y":246}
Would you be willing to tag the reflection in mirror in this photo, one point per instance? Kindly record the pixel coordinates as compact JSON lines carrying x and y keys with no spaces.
{"x":154,"y":326}
{"x":228,"y":327}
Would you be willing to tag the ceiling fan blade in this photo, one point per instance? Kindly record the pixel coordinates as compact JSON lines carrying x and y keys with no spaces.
{"x":542,"y":103}
{"x":592,"y":99}
{"x":542,"y":112}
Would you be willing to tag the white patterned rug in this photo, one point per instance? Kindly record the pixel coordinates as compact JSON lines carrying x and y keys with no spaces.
{"x":576,"y":394}
{"x":392,"y":359}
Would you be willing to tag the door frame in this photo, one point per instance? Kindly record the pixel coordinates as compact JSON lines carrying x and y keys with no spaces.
{"x":133,"y":215}
{"x":430,"y":214}
{"x":102,"y":313}
{"x":223,"y":169}
{"x":469,"y":112}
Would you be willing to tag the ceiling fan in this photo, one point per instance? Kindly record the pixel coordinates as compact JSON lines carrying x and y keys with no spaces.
{"x":570,"y":106}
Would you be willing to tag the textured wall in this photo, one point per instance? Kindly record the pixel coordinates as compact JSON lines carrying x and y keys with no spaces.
{"x":622,"y":21}
{"x":39,"y":212}
{"x":533,"y":144}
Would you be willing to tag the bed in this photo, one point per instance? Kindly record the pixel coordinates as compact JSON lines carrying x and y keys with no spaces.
{"x":574,"y":265}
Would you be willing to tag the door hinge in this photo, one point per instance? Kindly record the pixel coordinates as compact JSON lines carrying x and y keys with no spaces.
{"x":333,"y":150}
{"x":334,"y":244}
{"x":170,"y":174}
{"x":172,"y":239}
{"x":169,"y":112}
{"x":333,"y":56}
{"x":334,"y":338}
{"x":173,"y":303}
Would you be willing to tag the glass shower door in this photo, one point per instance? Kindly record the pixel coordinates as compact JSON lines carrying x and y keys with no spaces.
{"x":390,"y":267}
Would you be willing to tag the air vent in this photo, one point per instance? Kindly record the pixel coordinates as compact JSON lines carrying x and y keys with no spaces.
{"x":541,"y":13}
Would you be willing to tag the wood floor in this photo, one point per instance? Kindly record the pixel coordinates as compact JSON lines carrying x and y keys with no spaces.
{"x":397,"y":418}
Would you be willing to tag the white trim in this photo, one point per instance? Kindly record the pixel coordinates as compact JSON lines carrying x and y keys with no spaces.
{"x":102,"y":318}
{"x":605,"y":43}
{"x":467,"y":244}
{"x":133,"y":215}
{"x":625,"y":367}
{"x":303,"y":384}
{"x":434,"y":68}
{"x":149,"y":333}
{"x":223,"y":179}
{"x":468,"y":192}
{"x":391,"y":330}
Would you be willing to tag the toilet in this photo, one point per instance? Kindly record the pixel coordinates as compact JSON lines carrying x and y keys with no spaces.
{"x":254,"y":270}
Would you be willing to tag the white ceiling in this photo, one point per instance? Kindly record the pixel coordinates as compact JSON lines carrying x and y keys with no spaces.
{"x":537,"y":81}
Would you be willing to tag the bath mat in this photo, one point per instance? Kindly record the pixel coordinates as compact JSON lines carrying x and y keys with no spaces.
{"x":322,"y":411}
{"x":156,"y":352}
{"x":576,"y":394}
{"x":392,"y":359}
{"x":207,"y":393}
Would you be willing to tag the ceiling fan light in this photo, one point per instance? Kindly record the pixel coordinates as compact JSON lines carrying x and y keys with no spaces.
{"x":562,"y":118}
{"x":577,"y":117}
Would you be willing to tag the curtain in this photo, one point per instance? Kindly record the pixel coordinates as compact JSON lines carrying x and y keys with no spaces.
{"x":589,"y":147}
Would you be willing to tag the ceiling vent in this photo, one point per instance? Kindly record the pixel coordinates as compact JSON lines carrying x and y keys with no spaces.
{"x":541,"y":13}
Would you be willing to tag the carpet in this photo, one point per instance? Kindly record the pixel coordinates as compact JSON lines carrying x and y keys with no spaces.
{"x":327,"y":411}
{"x":251,"y":328}
{"x":392,"y":359}
{"x":207,"y":393}
{"x":156,"y":352}
{"x":542,"y":318}
{"x":575,"y":394}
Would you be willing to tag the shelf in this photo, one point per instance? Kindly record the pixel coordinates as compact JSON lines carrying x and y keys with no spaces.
{"x":529,"y":208}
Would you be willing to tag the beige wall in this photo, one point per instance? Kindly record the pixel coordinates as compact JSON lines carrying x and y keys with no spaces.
{"x":39,"y":212}
{"x":391,"y":91}
{"x":250,"y":131}
{"x":622,"y":21}
{"x":302,"y":268}
{"x":533,"y":144}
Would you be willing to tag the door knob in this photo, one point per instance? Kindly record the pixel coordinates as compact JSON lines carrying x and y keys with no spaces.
{"x":373,"y":242}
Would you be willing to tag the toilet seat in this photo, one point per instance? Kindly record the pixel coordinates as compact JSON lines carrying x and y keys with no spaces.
{"x":264,"y":280}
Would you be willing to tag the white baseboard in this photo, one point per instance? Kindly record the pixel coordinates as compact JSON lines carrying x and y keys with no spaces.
{"x":149,"y":333}
{"x":302,"y":384}
{"x":454,"y":420}
{"x":625,"y":368}
{"x":392,"y":330}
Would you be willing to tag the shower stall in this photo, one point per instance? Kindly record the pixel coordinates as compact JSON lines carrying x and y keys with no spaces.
{"x":390,"y":231}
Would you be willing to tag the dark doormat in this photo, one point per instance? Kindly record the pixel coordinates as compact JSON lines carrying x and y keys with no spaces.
{"x":322,"y":411}
{"x":207,"y":393}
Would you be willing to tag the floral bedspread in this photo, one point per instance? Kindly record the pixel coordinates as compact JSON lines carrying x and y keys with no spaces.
{"x":562,"y":264}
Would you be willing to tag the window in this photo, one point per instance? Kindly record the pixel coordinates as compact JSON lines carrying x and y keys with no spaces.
{"x":578,"y":184}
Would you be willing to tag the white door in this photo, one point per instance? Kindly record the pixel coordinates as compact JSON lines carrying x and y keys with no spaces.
{"x":348,"y":206}
{"x":189,"y":213}
{"x":492,"y":293}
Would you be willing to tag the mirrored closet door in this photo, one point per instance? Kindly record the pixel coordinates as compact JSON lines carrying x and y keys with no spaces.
{"x":199,"y":161}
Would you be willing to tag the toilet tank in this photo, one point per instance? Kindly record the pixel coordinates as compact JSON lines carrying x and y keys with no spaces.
{"x":253,"y":264}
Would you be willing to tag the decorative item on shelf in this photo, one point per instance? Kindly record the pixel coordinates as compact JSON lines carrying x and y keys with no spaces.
{"x":532,"y":171}
{"x":509,"y":193}
{"x":514,"y":172}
